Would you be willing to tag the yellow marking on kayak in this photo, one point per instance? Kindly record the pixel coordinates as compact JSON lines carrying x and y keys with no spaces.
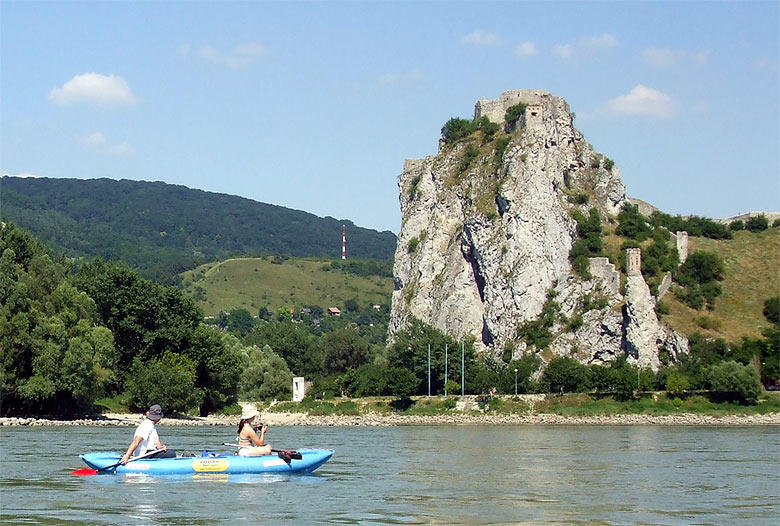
{"x":210,"y":464}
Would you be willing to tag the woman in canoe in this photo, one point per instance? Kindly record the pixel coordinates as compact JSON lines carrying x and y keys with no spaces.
{"x":251,"y":445}
{"x":146,"y":437}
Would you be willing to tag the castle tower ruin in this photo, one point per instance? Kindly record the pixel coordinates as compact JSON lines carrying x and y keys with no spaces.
{"x":682,"y":245}
{"x":633,"y":261}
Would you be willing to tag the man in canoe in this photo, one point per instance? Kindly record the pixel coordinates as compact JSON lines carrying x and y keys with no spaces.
{"x":146,"y":437}
{"x":250,"y":445}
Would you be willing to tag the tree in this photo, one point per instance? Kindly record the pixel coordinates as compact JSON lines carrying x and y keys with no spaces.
{"x":239,"y":321}
{"x":632,"y":224}
{"x":342,"y":350}
{"x":290,"y":341}
{"x":56,"y":358}
{"x":564,"y":374}
{"x":526,"y":368}
{"x":265,"y":375}
{"x":410,"y":351}
{"x":169,"y":381}
{"x":758,"y":223}
{"x":734,"y":382}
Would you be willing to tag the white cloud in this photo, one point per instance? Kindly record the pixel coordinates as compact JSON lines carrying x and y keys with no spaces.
{"x":480,"y":38}
{"x":98,"y":142}
{"x":238,"y":57}
{"x":641,"y":101}
{"x":406,"y":77}
{"x":664,"y":57}
{"x":103,"y":90}
{"x":586,"y":46}
{"x":526,"y":49}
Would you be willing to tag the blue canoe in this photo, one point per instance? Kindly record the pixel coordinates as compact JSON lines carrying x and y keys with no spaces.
{"x":211,"y":462}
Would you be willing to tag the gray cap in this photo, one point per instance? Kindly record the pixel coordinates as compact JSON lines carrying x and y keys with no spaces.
{"x":155,"y":412}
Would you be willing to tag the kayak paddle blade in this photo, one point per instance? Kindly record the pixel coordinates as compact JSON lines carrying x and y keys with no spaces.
{"x":84,"y":472}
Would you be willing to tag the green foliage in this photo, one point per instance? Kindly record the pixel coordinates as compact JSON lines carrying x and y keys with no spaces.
{"x":342,"y":350}
{"x":401,"y":382}
{"x":412,"y":193}
{"x":412,"y":246}
{"x":56,"y":358}
{"x":737,"y":225}
{"x":772,"y":309}
{"x":694,"y":225}
{"x":364,"y":267}
{"x":239,"y":321}
{"x":632,"y":224}
{"x":758,"y":223}
{"x":588,"y":243}
{"x":292,"y":342}
{"x":125,"y":219}
{"x":452,"y":388}
{"x":527,"y":366}
{"x":537,"y":332}
{"x":501,"y":145}
{"x":410,"y":352}
{"x":513,"y":113}
{"x":734,"y":382}
{"x":264,"y":375}
{"x":161,"y":382}
{"x":678,"y":384}
{"x":455,"y":129}
{"x":699,"y":276}
{"x":609,"y":164}
{"x":469,"y":154}
{"x":566,"y":375}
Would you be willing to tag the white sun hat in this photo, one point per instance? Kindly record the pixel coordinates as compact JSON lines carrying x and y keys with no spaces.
{"x":248,"y":411}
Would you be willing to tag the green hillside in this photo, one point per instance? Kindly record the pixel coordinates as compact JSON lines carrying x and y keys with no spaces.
{"x":253,"y":283}
{"x":752,"y":274}
{"x":164,"y":229}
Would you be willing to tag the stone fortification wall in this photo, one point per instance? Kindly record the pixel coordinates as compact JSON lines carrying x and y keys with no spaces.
{"x":536,"y":101}
{"x":663,"y":288}
{"x":602,"y":269}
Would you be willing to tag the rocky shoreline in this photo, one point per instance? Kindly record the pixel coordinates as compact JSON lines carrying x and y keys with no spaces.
{"x":384,"y":420}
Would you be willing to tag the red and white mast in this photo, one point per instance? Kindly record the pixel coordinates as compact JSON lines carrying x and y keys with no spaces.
{"x":344,"y":242}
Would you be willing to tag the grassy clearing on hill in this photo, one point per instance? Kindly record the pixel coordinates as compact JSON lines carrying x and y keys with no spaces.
{"x":752,"y":274}
{"x":252,"y":283}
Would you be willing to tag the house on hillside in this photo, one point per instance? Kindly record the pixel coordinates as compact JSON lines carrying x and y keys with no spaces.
{"x":334,"y":311}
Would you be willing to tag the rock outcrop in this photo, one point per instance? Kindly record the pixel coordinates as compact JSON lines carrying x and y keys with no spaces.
{"x":487,"y":229}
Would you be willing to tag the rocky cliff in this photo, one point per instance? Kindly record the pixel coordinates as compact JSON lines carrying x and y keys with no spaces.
{"x":486,"y":232}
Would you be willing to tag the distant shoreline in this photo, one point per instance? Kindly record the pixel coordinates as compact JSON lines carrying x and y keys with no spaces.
{"x":388,"y":420}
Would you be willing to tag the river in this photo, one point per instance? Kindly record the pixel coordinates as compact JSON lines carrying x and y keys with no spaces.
{"x":413,"y":475}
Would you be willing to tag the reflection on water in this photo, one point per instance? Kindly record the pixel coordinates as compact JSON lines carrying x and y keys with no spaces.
{"x":415,"y":475}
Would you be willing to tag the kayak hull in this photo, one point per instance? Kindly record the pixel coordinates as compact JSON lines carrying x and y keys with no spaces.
{"x":210,"y":462}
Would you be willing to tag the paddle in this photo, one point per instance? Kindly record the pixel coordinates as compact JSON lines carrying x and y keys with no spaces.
{"x":90,"y":471}
{"x":284,"y":454}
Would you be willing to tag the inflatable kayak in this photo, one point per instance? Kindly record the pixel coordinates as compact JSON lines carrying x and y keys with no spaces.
{"x":302,"y":461}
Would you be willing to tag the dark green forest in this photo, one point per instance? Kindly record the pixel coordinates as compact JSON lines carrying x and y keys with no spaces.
{"x":163,"y":229}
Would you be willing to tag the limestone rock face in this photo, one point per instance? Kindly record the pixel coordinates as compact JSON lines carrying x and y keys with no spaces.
{"x":485,"y":234}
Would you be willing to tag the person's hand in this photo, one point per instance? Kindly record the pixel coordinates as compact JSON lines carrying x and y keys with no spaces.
{"x":163,"y":447}
{"x":125,"y":458}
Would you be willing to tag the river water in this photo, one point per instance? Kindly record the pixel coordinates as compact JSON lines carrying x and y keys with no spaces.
{"x":412,"y":475}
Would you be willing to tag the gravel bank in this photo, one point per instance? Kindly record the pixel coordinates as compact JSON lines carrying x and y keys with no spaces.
{"x":377,"y":419}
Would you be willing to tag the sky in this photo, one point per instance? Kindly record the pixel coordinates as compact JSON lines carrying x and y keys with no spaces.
{"x":316,"y":105}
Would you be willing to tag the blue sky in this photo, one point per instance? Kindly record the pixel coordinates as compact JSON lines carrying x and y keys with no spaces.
{"x":315,"y":106}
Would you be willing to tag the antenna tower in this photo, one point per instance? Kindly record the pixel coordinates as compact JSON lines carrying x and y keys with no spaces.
{"x":344,"y":242}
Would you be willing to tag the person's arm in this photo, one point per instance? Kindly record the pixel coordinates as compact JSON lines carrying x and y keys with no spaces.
{"x":160,"y":445}
{"x":134,"y":444}
{"x":258,"y":441}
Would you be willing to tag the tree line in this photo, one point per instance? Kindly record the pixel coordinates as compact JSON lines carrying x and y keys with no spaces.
{"x":73,"y":334}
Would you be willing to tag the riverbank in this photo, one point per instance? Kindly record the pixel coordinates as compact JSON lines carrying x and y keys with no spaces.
{"x":377,"y":419}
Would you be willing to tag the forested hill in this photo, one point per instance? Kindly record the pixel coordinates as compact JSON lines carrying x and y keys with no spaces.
{"x":163,"y":229}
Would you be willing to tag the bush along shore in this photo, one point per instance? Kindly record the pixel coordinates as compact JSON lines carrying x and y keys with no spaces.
{"x":468,"y":410}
